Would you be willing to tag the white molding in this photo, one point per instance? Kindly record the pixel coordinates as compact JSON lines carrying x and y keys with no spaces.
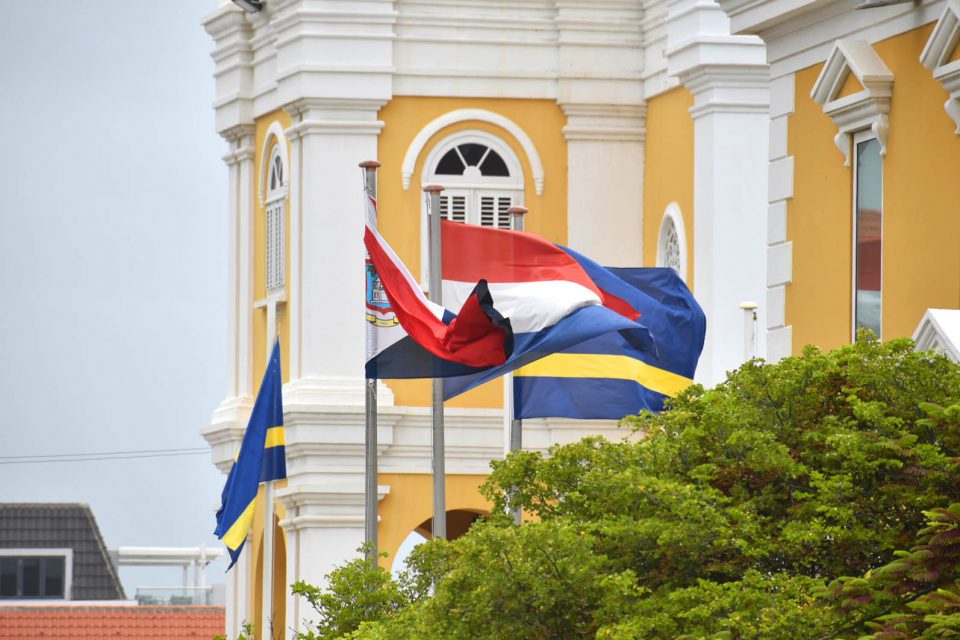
{"x":673,"y":215}
{"x":33,"y":552}
{"x":465,"y":115}
{"x":801,"y":39}
{"x":779,"y":264}
{"x":604,"y":123}
{"x":936,"y":56}
{"x":776,"y":306}
{"x":779,"y":343}
{"x":868,"y":108}
{"x":780,"y":184}
{"x":778,"y":138}
{"x":495,"y":142}
{"x":777,"y":222}
{"x":939,"y":330}
{"x":780,"y":180}
{"x":274,"y":132}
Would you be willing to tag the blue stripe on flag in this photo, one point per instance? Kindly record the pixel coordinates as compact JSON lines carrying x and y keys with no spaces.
{"x":240,"y":490}
{"x":274,"y":464}
{"x":579,"y":398}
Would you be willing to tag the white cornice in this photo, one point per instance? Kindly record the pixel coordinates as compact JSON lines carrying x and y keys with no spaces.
{"x":756,"y":16}
{"x":465,"y":115}
{"x":939,"y":330}
{"x":800,"y":38}
{"x":607,"y":123}
{"x":936,"y":56}
{"x":869,"y":108}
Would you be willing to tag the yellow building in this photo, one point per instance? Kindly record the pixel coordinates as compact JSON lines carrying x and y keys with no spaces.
{"x":864,"y":154}
{"x":708,"y":137}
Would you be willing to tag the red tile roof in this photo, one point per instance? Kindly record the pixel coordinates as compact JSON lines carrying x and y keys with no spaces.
{"x":110,"y":623}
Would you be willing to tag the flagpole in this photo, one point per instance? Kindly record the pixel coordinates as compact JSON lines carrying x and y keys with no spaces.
{"x":266,"y":630}
{"x":370,"y":445}
{"x":516,"y":425}
{"x":436,"y":295}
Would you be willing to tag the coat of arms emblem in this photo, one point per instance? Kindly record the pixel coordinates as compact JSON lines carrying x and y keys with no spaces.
{"x":379,"y":311}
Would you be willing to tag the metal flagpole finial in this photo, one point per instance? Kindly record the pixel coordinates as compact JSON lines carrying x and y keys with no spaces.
{"x":433,"y":188}
{"x":516,"y":214}
{"x":370,"y":164}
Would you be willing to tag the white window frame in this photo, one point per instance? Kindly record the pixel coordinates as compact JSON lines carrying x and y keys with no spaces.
{"x":66,"y":553}
{"x":472,"y":187}
{"x":857,"y":138}
{"x":274,"y":205}
{"x":674,"y":216}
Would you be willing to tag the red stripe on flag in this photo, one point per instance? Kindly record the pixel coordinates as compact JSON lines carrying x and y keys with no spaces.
{"x":472,"y":253}
{"x":472,"y":339}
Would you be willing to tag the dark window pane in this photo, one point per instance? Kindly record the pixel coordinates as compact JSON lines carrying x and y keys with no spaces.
{"x":30,"y":585}
{"x":869,"y":225}
{"x":53,"y":577}
{"x":450,"y":164}
{"x":472,"y":153}
{"x":8,"y":577}
{"x":494,"y":165}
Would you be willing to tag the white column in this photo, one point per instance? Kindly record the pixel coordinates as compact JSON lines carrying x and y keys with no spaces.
{"x":600,"y":89}
{"x":230,"y":30}
{"x":327,"y":357}
{"x":230,"y":417}
{"x":239,"y":581}
{"x":605,"y":182}
{"x":728,"y":77}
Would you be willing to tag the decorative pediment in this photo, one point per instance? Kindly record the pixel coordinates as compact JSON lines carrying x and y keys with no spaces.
{"x":858,"y":102}
{"x":942,"y":56}
{"x":939,"y":330}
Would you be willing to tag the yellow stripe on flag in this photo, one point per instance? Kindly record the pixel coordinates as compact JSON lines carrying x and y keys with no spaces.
{"x":593,"y":365}
{"x":275,"y":437}
{"x":238,"y":531}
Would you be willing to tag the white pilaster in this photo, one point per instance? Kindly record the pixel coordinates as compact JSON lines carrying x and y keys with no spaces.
{"x":230,"y":418}
{"x":330,"y":138}
{"x":779,"y":249}
{"x":728,"y":77}
{"x":605,"y":182}
{"x":600,"y":89}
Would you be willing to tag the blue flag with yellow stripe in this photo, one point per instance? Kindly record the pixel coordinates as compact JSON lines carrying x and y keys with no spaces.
{"x":615,"y":375}
{"x":262,"y":458}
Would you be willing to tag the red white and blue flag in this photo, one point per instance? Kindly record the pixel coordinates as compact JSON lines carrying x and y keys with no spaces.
{"x":529,"y":299}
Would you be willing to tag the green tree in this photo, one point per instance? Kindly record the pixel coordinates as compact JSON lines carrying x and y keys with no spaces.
{"x":723,"y":517}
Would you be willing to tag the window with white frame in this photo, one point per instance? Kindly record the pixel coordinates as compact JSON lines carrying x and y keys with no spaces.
{"x":867,"y":233}
{"x":482,"y":179}
{"x":276,"y":221}
{"x":672,"y":241}
{"x":35,"y":574}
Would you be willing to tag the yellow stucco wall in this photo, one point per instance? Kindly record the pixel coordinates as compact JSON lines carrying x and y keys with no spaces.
{"x":400,"y":210}
{"x":921,"y":228}
{"x":668,"y":170}
{"x":259,"y":253}
{"x":409,"y":504}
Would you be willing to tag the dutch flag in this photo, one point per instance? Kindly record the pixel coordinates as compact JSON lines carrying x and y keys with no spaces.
{"x":529,"y":299}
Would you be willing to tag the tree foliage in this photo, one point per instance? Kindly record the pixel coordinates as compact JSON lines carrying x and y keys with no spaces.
{"x":734,"y":514}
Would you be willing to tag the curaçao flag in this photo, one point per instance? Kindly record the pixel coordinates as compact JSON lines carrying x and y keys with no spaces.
{"x":608,"y":377}
{"x":262,"y":458}
{"x":532,"y":298}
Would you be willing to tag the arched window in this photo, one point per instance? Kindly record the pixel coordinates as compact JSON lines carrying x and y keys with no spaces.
{"x":482,"y":179}
{"x":276,"y":190}
{"x":672,"y":242}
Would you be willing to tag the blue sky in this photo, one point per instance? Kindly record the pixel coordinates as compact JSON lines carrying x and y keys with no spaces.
{"x":112,"y":263}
